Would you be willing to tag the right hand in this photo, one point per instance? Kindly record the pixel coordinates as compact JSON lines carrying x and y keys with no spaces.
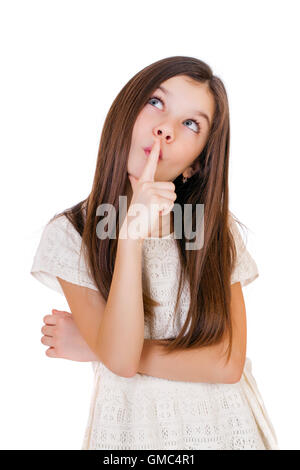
{"x":156,"y":196}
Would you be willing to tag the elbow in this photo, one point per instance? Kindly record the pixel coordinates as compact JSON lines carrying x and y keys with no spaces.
{"x":234,"y":373}
{"x":124,"y":371}
{"x":128,"y":374}
{"x":118,"y":369}
{"x":113,"y":363}
{"x":234,"y":378}
{"x":121,"y":369}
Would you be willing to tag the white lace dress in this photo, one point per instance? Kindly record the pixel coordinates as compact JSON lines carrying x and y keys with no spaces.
{"x":145,"y":412}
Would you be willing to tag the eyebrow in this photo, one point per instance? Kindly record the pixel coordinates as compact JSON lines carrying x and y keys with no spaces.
{"x":199,"y":113}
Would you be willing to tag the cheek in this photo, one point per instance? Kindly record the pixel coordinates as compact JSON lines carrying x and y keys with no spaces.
{"x":183,"y":158}
{"x":142,"y":128}
{"x":142,"y":118}
{"x":183,"y":154}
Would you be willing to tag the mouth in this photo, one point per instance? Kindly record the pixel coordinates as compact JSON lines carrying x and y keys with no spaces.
{"x":148,"y":150}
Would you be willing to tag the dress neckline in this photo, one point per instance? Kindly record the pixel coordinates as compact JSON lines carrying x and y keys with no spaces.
{"x":170,"y":235}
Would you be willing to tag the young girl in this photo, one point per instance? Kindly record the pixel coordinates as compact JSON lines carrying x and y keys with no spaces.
{"x":163,"y":323}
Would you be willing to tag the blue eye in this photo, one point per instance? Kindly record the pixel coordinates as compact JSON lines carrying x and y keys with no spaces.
{"x":155,"y":98}
{"x":191,"y":120}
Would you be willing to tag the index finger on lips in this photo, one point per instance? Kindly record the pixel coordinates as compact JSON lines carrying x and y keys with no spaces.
{"x":151,"y":164}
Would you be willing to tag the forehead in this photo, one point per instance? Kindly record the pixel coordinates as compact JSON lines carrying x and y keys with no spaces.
{"x":189,"y":94}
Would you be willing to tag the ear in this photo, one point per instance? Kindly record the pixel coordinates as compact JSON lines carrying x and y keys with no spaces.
{"x":195,"y":166}
{"x":189,"y":171}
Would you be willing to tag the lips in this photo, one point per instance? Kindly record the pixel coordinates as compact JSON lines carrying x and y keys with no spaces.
{"x":148,"y":150}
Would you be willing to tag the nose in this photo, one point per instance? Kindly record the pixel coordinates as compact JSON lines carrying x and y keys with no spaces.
{"x":165,"y":134}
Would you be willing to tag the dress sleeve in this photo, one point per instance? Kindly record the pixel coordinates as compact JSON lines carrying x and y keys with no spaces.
{"x":58,"y":254}
{"x":245,"y":269}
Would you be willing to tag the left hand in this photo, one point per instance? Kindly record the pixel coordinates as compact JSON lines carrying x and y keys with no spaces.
{"x":64,"y":339}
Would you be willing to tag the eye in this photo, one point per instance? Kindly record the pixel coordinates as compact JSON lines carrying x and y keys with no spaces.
{"x":197,"y":131}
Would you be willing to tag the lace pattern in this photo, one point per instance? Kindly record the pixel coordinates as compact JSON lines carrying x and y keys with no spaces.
{"x":144,"y":412}
{"x":58,"y":255}
{"x":245,"y":270}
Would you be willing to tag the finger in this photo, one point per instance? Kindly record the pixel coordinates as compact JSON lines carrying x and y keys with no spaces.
{"x":151,"y":164}
{"x":60,"y":312}
{"x":166,"y":209}
{"x":50,"y":319}
{"x":166,"y":194}
{"x":156,"y":184}
{"x":50,"y":352}
{"x":164,"y":185}
{"x":47,"y":340}
{"x":48,"y":330}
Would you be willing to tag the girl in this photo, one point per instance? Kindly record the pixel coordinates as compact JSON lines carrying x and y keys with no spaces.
{"x":164,"y":325}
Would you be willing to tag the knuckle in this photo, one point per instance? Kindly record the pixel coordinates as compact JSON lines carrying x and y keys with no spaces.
{"x":50,"y":352}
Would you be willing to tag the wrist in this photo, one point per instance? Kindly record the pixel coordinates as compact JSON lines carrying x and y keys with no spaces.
{"x":127,"y":240}
{"x":124,"y":232}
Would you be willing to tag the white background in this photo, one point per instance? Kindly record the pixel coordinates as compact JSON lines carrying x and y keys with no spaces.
{"x":63,"y":63}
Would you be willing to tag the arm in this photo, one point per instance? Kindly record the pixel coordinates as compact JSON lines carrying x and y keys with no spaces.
{"x":121,"y":334}
{"x":194,"y":365}
{"x":114,"y":330}
{"x":207,"y":364}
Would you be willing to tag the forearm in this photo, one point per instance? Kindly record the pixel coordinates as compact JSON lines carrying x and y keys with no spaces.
{"x":121,"y":333}
{"x":193,"y":365}
{"x":185,"y":366}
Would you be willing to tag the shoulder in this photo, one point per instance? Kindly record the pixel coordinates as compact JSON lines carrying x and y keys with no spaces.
{"x":245,"y":269}
{"x":60,"y":229}
{"x":235,"y":230}
{"x":59,"y":255}
{"x":232,"y":222}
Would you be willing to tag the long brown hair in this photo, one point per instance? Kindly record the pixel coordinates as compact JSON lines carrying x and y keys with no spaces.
{"x":208,"y":270}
